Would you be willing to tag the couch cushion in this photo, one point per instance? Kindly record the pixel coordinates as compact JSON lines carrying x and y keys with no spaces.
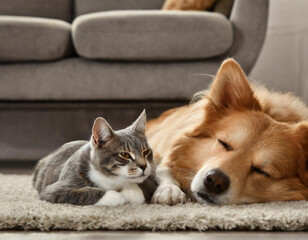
{"x":79,"y":79}
{"x":59,"y":9}
{"x":151,"y":35}
{"x":34,"y":39}
{"x":90,"y":6}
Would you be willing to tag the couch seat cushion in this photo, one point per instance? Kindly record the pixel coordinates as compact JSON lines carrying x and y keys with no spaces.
{"x":34,"y":39}
{"x":151,"y":35}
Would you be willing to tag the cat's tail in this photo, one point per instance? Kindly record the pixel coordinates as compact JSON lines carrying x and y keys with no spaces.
{"x":201,"y":94}
{"x":198,"y":96}
{"x":37,"y":169}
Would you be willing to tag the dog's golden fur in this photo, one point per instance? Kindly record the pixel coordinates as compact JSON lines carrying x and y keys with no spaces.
{"x":266,"y":132}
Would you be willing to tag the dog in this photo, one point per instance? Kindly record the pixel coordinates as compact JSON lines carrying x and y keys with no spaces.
{"x":238,"y":144}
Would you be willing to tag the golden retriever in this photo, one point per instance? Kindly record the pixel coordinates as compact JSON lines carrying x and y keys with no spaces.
{"x":237,"y":144}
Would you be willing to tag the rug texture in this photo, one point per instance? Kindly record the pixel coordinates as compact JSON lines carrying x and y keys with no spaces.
{"x":20,"y":208}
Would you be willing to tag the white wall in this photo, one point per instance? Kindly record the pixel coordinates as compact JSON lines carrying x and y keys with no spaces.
{"x":283,"y":62}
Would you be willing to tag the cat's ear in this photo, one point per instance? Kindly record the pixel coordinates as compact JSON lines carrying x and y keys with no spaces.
{"x":139,"y":124}
{"x":101,"y":132}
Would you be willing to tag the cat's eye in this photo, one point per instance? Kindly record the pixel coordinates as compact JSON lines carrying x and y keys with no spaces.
{"x":259,"y":171}
{"x":225,"y":145}
{"x":124,"y":155}
{"x":146,"y":152}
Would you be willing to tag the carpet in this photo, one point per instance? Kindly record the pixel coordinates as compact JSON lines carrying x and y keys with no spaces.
{"x":20,"y":208}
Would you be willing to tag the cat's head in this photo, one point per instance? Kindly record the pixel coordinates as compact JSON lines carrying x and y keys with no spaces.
{"x":124,"y":153}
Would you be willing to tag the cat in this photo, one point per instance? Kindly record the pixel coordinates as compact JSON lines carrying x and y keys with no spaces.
{"x":113,"y":168}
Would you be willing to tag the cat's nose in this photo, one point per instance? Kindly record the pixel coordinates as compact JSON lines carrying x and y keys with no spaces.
{"x":142,"y":166}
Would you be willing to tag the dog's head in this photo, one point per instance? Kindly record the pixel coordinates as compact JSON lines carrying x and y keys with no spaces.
{"x":239,"y":153}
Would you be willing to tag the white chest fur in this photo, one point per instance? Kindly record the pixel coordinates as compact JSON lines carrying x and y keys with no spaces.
{"x":129,"y":192}
{"x":105,"y":182}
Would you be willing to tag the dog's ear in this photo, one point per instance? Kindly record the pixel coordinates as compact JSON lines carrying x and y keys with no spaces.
{"x":301,"y":133}
{"x":231,"y":89}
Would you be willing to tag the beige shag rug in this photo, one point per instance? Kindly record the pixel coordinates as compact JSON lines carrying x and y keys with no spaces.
{"x":20,"y":208}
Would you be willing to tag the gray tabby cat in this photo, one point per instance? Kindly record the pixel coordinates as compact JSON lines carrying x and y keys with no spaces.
{"x":113,"y":168}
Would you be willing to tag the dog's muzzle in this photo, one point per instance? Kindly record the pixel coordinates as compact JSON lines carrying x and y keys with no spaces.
{"x":215,"y":183}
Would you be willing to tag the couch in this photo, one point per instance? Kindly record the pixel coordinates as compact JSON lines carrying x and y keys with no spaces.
{"x":65,"y":62}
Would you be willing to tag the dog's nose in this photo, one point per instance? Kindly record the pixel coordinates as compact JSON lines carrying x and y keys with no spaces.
{"x":216,"y":181}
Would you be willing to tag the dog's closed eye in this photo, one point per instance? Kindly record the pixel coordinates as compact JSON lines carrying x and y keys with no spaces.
{"x":258,"y":170}
{"x":225,"y":145}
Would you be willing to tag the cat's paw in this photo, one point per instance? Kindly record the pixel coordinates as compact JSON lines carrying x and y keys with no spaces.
{"x":133,"y":194}
{"x":168,"y":194}
{"x":111,"y":198}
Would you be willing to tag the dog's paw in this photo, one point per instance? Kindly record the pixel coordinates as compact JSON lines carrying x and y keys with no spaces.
{"x":111,"y":198}
{"x":168,"y":194}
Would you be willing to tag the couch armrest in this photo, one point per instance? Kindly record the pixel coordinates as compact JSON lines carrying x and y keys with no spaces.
{"x":249,"y":20}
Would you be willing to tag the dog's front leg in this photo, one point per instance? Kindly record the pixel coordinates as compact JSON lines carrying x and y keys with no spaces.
{"x":168,"y":191}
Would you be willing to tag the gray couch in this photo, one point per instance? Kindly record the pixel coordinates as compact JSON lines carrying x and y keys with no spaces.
{"x":65,"y":62}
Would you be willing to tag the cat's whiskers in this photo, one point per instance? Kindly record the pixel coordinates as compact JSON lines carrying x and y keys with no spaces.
{"x":153,"y":175}
{"x":186,"y":178}
{"x":186,"y":170}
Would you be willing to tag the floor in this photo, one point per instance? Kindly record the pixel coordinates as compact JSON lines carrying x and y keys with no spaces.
{"x":118,"y":235}
{"x":135,"y":235}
